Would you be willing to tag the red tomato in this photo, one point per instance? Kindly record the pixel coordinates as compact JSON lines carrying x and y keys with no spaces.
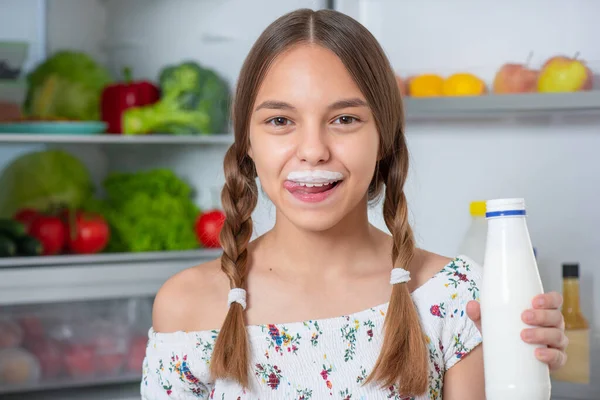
{"x":79,"y":360}
{"x":208,"y":228}
{"x":50,"y":231}
{"x":89,"y":234}
{"x":26,"y":216}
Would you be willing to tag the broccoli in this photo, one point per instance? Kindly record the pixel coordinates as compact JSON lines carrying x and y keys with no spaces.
{"x":193,"y":100}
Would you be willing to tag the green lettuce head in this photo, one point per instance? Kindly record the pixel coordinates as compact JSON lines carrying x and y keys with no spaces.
{"x":44,"y":180}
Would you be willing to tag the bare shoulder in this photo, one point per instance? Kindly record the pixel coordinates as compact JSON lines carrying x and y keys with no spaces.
{"x":194,"y":299}
{"x":425,"y":266}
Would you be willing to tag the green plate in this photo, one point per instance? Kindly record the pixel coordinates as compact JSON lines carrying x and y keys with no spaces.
{"x":55,"y":128}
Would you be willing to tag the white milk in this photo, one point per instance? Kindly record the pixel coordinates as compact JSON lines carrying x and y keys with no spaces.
{"x":510,"y":281}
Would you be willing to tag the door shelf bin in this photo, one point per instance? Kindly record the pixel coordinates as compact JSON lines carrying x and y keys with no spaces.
{"x":60,"y":345}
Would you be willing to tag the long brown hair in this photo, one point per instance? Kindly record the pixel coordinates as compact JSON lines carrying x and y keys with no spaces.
{"x":403,"y":358}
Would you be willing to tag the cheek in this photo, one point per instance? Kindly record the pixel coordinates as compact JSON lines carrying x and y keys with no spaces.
{"x":270,"y":155}
{"x":360,"y":157}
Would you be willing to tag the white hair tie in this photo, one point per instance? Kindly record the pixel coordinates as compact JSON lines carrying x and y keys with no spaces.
{"x":237,"y":295}
{"x":399,"y":275}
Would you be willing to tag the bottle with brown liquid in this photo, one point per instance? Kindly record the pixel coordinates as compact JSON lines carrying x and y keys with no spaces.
{"x":577,"y":367}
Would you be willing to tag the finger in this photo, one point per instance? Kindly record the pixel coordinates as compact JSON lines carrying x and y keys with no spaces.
{"x":551,"y":300}
{"x":474,"y":310}
{"x":554,"y":358}
{"x":546,"y":336}
{"x":546,"y":318}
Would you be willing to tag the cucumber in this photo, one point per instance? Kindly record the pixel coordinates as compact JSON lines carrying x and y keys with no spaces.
{"x":12,"y":228}
{"x":8,"y":248}
{"x":29,"y":246}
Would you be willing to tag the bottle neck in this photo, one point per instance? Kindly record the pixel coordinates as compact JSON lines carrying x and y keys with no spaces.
{"x":571,"y":310}
{"x":571,"y":295}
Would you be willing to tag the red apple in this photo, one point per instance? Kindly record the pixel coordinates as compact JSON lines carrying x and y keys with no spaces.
{"x":515,"y":78}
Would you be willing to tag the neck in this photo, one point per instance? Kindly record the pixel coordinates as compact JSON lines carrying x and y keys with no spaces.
{"x":339,"y":248}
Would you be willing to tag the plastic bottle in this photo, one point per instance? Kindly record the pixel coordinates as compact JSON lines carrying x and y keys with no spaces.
{"x":577,"y":367}
{"x":510,"y":282}
{"x":473,"y":244}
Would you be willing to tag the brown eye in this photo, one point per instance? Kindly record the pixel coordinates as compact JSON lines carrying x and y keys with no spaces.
{"x":279,"y":121}
{"x":346,"y":120}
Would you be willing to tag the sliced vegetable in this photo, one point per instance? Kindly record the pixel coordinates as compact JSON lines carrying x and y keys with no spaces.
{"x":66,"y":85}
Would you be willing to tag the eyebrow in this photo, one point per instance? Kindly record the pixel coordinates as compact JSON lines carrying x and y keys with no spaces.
{"x":282,"y":105}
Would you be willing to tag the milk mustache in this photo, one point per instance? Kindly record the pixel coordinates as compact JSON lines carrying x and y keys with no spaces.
{"x":510,"y":282}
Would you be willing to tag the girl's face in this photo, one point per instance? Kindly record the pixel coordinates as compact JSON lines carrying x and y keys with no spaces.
{"x":313,"y":138}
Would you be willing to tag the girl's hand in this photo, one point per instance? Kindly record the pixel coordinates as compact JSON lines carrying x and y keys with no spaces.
{"x":548,"y":327}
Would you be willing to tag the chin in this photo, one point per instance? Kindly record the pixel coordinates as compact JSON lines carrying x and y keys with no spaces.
{"x":314,"y":220}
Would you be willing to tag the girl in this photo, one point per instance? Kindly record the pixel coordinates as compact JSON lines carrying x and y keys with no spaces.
{"x":318,"y":119}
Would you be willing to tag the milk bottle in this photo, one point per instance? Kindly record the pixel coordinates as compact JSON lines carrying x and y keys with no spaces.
{"x":510,"y":281}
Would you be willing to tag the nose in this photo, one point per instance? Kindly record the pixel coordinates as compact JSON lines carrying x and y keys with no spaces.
{"x":313,"y":147}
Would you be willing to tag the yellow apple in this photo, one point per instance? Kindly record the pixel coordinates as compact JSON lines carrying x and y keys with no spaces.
{"x":564,"y":74}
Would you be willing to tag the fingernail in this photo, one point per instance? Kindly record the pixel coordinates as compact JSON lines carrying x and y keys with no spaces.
{"x":527,"y":335}
{"x":540,"y":302}
{"x":528,"y":316}
{"x":543,"y":354}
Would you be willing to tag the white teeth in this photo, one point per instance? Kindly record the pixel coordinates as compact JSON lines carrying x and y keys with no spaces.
{"x":314,"y":184}
{"x":316,"y":176}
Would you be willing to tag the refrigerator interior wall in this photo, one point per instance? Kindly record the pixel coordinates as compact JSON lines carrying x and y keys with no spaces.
{"x":548,"y":160}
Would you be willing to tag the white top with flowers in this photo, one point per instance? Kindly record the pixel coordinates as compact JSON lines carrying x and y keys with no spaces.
{"x":320,"y":359}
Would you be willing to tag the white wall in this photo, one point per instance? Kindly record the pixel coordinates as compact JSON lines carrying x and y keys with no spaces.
{"x":551,"y":163}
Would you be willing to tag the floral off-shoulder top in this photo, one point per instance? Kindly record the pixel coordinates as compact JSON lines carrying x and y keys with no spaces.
{"x":320,"y":359}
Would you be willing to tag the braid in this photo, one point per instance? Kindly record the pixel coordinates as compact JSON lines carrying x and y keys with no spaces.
{"x":403,"y":356}
{"x":230,"y":357}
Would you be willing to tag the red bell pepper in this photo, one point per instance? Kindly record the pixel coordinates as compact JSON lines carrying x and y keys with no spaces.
{"x":121,"y":96}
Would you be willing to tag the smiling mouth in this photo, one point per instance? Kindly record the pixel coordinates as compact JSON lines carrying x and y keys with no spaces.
{"x":311,"y":192}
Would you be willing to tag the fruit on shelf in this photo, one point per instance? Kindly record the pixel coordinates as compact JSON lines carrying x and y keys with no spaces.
{"x":208,"y":228}
{"x":561,"y":74}
{"x":516,"y":78}
{"x":463,"y":84}
{"x":425,"y":85}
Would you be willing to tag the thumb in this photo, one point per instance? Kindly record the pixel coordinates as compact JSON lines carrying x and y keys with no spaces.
{"x":474,"y":312}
